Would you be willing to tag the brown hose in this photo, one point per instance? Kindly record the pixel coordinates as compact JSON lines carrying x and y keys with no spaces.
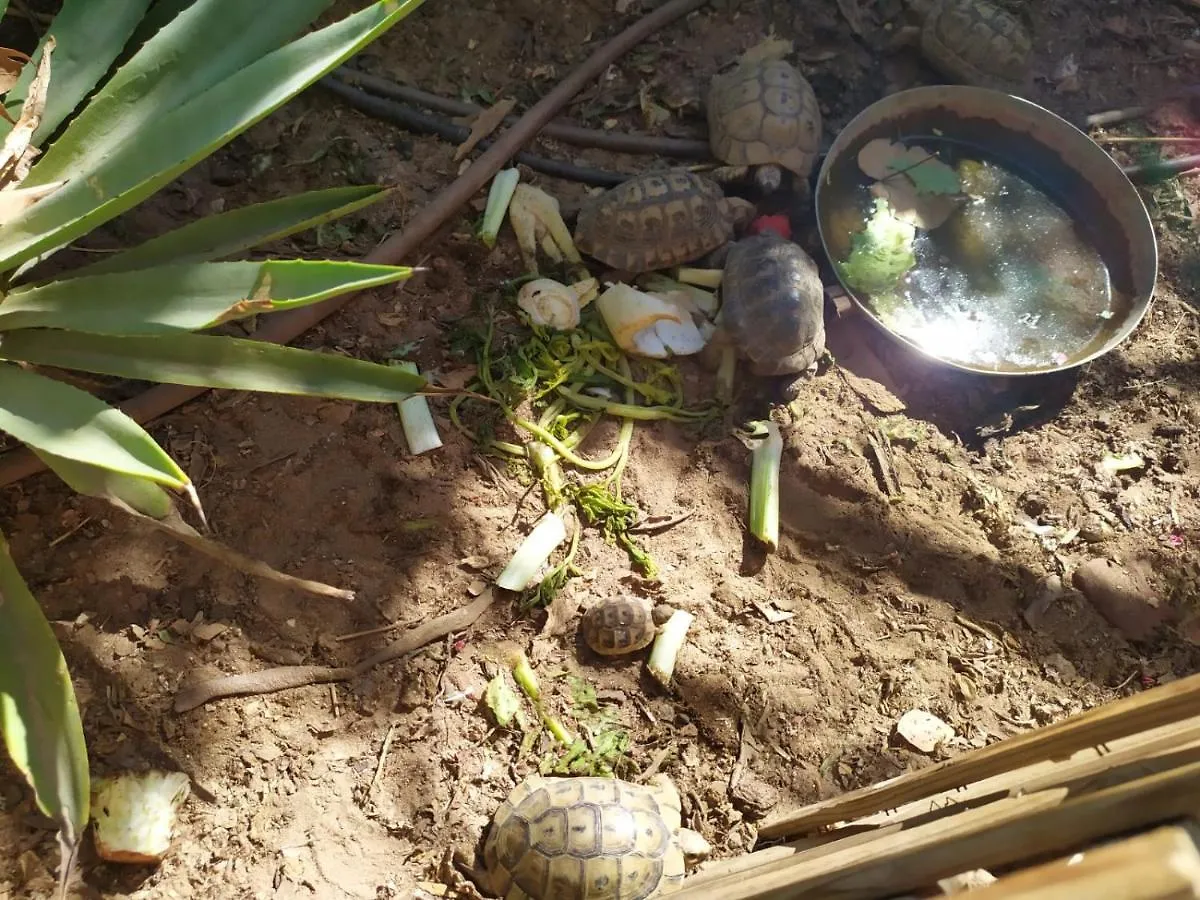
{"x":284,"y":327}
{"x":641,"y":144}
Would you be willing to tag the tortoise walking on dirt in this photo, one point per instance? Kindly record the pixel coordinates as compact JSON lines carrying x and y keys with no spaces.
{"x":658,"y":220}
{"x":764,"y":114}
{"x":589,"y":838}
{"x":773,"y":305}
{"x":972,"y":41}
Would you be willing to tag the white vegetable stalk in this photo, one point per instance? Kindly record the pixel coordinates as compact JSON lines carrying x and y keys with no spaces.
{"x":665,"y":652}
{"x":555,"y":305}
{"x":705,"y":278}
{"x":544,"y":539}
{"x":135,"y":814}
{"x":500,"y":194}
{"x":420,"y":431}
{"x":764,"y":487}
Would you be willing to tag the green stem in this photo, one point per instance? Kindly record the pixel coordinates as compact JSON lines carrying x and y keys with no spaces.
{"x":630,"y":411}
{"x":764,"y":487}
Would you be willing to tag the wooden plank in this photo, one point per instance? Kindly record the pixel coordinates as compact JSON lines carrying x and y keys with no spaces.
{"x":1014,"y":830}
{"x":1156,"y":707}
{"x":1163,"y":864}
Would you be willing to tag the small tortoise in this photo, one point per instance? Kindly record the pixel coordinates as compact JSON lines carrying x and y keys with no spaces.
{"x":973,"y":42}
{"x":773,"y":305}
{"x":589,"y":838}
{"x":764,"y":114}
{"x":658,"y":220}
{"x":619,"y":625}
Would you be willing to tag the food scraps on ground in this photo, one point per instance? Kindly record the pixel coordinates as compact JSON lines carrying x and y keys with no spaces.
{"x":665,"y":652}
{"x":653,"y":325}
{"x":537,"y":222}
{"x":551,"y":304}
{"x":134,"y":814}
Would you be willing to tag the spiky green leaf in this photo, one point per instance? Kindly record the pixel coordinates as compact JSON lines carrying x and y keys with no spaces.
{"x":140,"y":494}
{"x":225,"y":234}
{"x":186,"y":297}
{"x":199,"y":47}
{"x":216,"y":362}
{"x":89,"y":36}
{"x":188,"y":133}
{"x":49,"y":415}
{"x":39,"y":713}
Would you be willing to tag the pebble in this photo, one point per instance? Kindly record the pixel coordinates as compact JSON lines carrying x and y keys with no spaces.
{"x":1124,"y":599}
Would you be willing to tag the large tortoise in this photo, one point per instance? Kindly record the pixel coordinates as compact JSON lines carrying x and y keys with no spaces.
{"x":658,"y":220}
{"x":764,"y":114}
{"x":589,"y":838}
{"x":973,"y":41}
{"x":773,"y":305}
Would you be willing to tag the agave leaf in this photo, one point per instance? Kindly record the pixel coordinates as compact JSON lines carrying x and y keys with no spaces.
{"x":56,"y":417}
{"x":212,"y":361}
{"x":186,"y":297}
{"x":150,"y":503}
{"x":189,"y":133}
{"x":89,"y":37}
{"x":200,"y":47}
{"x":227,"y":233}
{"x":39,"y":713}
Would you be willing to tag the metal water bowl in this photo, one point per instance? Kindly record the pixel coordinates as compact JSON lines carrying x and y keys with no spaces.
{"x":1036,"y":145}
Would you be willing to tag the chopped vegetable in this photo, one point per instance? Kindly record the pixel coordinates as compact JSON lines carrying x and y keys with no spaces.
{"x":531,"y":555}
{"x":881,"y":253}
{"x":764,"y":485}
{"x":500,"y":194}
{"x":523,"y":673}
{"x":537,"y":221}
{"x":420,"y":431}
{"x":648,"y":324}
{"x":705,"y":278}
{"x":135,"y":814}
{"x":555,"y":305}
{"x":665,"y":652}
{"x":501,"y":700}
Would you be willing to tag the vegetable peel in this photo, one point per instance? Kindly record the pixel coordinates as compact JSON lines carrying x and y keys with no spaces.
{"x":651,"y":325}
{"x":135,"y":814}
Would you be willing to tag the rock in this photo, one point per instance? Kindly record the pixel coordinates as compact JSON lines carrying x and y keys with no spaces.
{"x":1124,"y":598}
{"x":1049,"y":589}
{"x":753,"y":796}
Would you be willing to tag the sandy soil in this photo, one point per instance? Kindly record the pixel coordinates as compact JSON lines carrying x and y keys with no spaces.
{"x":924,"y":512}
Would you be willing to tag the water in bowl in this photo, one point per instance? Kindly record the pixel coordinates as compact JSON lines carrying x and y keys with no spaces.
{"x":1008,"y":282}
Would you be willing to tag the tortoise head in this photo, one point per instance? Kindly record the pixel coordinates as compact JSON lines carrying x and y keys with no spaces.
{"x":738,"y":212}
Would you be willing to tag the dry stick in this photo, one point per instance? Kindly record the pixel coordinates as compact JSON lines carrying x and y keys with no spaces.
{"x":413,"y":120}
{"x":282,"y":328}
{"x":267,"y":681}
{"x":1158,"y":706}
{"x":1009,"y":831}
{"x":617,"y":142}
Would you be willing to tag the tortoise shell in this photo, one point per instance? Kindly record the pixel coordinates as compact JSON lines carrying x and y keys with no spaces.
{"x":619,"y":625}
{"x":586,"y":838}
{"x":764,"y":113}
{"x":658,"y":220}
{"x":773,"y":304}
{"x":976,"y":42}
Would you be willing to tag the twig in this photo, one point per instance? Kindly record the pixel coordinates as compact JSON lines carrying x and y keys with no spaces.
{"x":266,"y":681}
{"x":647,"y":526}
{"x":383,"y":755}
{"x":1154,"y":139}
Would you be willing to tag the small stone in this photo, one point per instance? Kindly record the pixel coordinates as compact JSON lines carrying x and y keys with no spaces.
{"x":753,"y":796}
{"x":209,"y":630}
{"x":1123,"y":598}
{"x":1057,"y":664}
{"x":1050,"y":589}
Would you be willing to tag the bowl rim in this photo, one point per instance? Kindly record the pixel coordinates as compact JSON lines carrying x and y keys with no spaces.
{"x":848,"y":134}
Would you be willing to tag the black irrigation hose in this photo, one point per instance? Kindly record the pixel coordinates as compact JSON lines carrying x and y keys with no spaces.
{"x":415,"y":120}
{"x":617,"y":142}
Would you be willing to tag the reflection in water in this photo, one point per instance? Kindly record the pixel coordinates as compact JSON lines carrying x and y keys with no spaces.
{"x":1006,"y":282}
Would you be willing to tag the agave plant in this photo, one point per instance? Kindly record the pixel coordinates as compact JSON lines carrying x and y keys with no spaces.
{"x":118,"y":99}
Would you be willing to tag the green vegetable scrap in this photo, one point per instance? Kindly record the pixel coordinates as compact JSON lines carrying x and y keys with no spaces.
{"x":881,"y":253}
{"x":551,"y":389}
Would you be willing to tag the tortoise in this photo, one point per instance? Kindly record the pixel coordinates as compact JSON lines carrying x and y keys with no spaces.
{"x":619,"y":625}
{"x":589,"y":838}
{"x":773,"y":305}
{"x":972,"y":41}
{"x":764,"y":114}
{"x":657,"y":220}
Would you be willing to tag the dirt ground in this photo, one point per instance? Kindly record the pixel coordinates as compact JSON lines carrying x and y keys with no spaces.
{"x":931,"y":521}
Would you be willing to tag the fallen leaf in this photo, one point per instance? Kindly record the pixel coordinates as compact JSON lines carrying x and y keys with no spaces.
{"x":653,"y":114}
{"x":475,"y":562}
{"x":209,"y":630}
{"x":477,"y":587}
{"x":886,"y":160}
{"x":771,"y":614}
{"x":484,"y":123}
{"x":11,"y":63}
{"x":923,"y":730}
{"x":501,"y":699}
{"x":17,"y":154}
{"x":925,"y":211}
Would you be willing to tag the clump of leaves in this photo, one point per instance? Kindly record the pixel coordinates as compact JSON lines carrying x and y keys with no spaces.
{"x":604,"y":748}
{"x":881,"y":253}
